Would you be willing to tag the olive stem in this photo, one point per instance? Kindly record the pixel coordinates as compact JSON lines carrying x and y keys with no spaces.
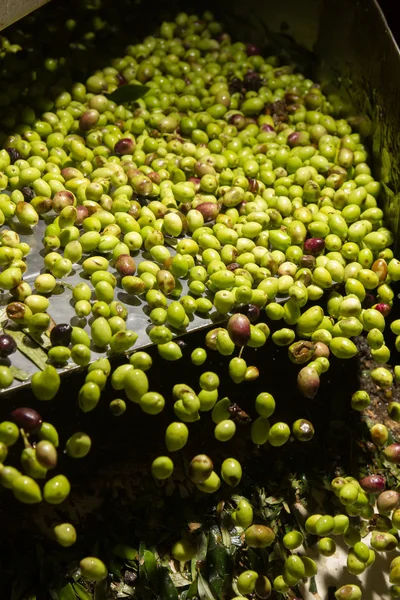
{"x":27,"y":443}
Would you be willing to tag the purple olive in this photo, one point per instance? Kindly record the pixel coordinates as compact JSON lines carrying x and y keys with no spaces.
{"x":392,"y":453}
{"x":89,"y":119}
{"x":209,"y":210}
{"x":314,"y":246}
{"x":62,"y":199}
{"x":7,"y":345}
{"x":383,"y":308}
{"x":253,"y":313}
{"x":266,"y":127}
{"x":373,"y":484}
{"x":81,"y":214}
{"x":239,"y":329}
{"x":60,"y":335}
{"x":252,"y":81}
{"x":125,"y":265}
{"x":13,"y":154}
{"x":27,"y":418}
{"x":308,"y":382}
{"x":252,"y":50}
{"x":27,"y":193}
{"x":124,"y":146}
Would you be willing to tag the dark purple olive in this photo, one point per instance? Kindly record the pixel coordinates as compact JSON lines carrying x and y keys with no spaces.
{"x":235,"y":85}
{"x":253,"y":313}
{"x":27,"y":193}
{"x":392,"y":453}
{"x":13,"y":154}
{"x":7,"y":345}
{"x":81,"y":214}
{"x":60,"y":335}
{"x":125,"y":265}
{"x":182,"y":345}
{"x":314,"y":246}
{"x":373,"y":484}
{"x":239,"y":329}
{"x":209,"y":210}
{"x":252,"y":50}
{"x":27,"y":418}
{"x":308,"y":382}
{"x":252,"y":81}
{"x":124,"y":146}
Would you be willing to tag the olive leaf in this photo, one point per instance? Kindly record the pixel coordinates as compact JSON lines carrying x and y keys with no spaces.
{"x":169,"y":591}
{"x":128,"y":93}
{"x":203,"y":589}
{"x":67,"y":593}
{"x":81,"y":592}
{"x":26,"y":347}
{"x":19,"y":374}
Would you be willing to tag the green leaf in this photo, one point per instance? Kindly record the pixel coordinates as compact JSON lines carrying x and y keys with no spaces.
{"x":67,"y":593}
{"x":169,"y":591}
{"x":81,"y":592}
{"x":179,"y":580}
{"x":150,"y":567}
{"x":203,"y":589}
{"x":128,"y":93}
{"x":19,"y":374}
{"x":28,"y":348}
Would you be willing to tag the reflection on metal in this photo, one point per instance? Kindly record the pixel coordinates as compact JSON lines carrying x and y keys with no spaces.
{"x":13,"y":10}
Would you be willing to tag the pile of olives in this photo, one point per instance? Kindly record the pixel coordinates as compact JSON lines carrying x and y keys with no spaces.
{"x":229,"y":188}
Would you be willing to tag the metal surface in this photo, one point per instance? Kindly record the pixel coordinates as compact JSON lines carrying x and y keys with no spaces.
{"x":13,"y":10}
{"x":62,"y":310}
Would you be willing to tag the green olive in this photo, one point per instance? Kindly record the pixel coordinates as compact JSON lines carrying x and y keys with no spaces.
{"x":93,"y":569}
{"x":65,"y":534}
{"x":56,"y":490}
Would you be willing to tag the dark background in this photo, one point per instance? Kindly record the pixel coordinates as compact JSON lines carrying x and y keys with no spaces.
{"x":391,"y":11}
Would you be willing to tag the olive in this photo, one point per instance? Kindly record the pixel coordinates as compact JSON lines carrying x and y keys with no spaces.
{"x":78,"y":445}
{"x":46,"y":454}
{"x":303,"y":430}
{"x":183,"y":550}
{"x":162,"y":467}
{"x":259,"y":536}
{"x":26,"y":490}
{"x":231,"y":471}
{"x":200,"y":468}
{"x":27,"y":419}
{"x":56,"y":489}
{"x":246,"y":582}
{"x":9,"y":433}
{"x":7,"y":345}
{"x":60,"y":335}
{"x":239,"y":329}
{"x":93,"y":569}
{"x":65,"y":534}
{"x":117,"y":407}
{"x":48,"y":432}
